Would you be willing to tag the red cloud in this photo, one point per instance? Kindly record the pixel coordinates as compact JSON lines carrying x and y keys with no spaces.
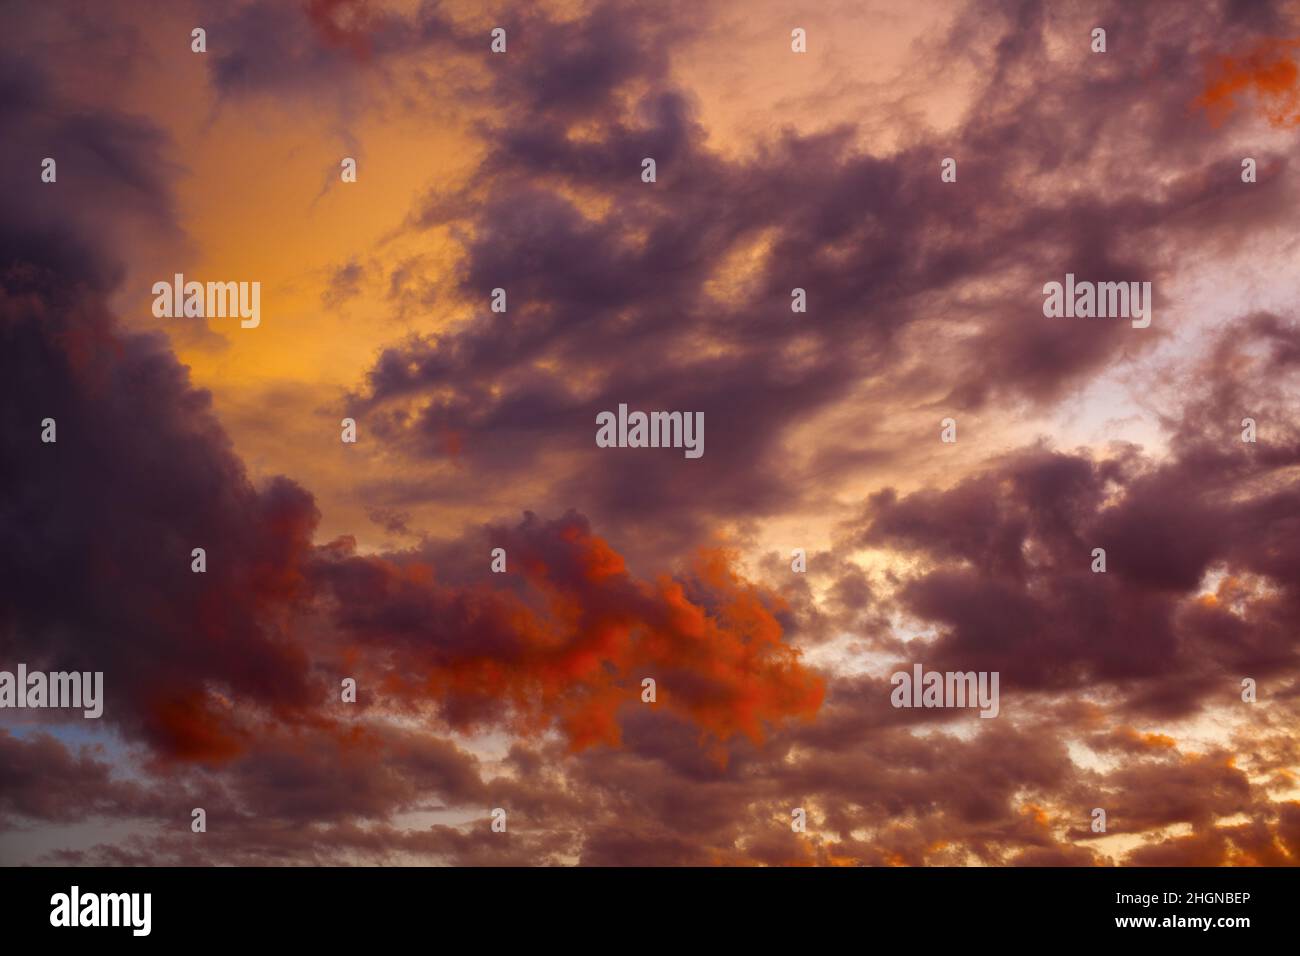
{"x":342,"y":23}
{"x":1270,"y":69}
{"x":566,"y":638}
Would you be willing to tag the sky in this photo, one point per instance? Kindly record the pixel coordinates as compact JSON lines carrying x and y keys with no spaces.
{"x":918,"y":467}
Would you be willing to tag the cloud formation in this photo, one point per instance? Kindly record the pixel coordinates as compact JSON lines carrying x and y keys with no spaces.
{"x":523,"y":689}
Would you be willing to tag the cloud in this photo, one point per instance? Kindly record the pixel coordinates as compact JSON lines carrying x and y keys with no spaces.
{"x":1268,"y":69}
{"x":676,"y":295}
{"x":1007,"y":572}
{"x":44,"y":780}
{"x":568,"y":635}
{"x":522,"y":690}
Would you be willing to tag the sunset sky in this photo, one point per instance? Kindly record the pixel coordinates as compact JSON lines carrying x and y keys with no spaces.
{"x":522,"y":690}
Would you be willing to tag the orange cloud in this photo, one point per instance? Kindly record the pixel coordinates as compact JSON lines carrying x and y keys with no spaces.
{"x":571,"y":648}
{"x":1270,"y":69}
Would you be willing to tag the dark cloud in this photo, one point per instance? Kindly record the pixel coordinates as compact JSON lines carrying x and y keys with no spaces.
{"x":296,"y":49}
{"x":99,"y":527}
{"x":344,"y":284}
{"x":41,"y":779}
{"x":622,"y":305}
{"x":1009,"y":551}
